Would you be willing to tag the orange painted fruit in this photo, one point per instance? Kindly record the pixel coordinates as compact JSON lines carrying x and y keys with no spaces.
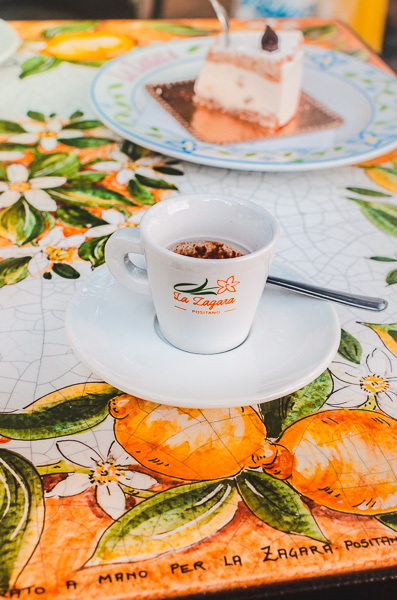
{"x":188,"y":443}
{"x":342,"y":459}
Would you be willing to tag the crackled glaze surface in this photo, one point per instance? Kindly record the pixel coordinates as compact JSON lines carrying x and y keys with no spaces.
{"x":104,"y":494}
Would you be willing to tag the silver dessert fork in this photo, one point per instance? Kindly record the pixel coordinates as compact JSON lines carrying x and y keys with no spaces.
{"x":223,"y":18}
{"x":365,"y":302}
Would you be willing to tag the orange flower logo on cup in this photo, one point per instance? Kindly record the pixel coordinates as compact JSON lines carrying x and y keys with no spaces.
{"x":227,"y":286}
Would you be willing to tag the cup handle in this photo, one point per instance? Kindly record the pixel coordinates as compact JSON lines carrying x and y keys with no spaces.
{"x":119,"y":245}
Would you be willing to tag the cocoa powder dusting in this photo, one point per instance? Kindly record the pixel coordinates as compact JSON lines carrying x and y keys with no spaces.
{"x":205,"y":249}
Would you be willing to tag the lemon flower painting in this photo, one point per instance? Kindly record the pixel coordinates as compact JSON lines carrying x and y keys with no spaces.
{"x":33,"y":189}
{"x":46,"y":133}
{"x":362,"y":382}
{"x":126,"y":167}
{"x":115,"y":220}
{"x":52,"y":249}
{"x":107,"y":475}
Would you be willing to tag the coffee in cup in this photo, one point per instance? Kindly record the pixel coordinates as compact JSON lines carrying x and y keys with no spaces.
{"x":207,"y":249}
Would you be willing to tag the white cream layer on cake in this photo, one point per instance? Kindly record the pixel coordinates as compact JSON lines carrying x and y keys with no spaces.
{"x":252,"y":83}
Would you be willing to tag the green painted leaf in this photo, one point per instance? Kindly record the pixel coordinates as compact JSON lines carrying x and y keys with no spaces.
{"x":86,"y":196}
{"x":194,"y":289}
{"x":76,"y":115}
{"x":350,"y":348}
{"x":316,"y":32}
{"x":381,"y":214}
{"x":78,"y":217}
{"x":361,"y":54}
{"x":86,"y":124}
{"x":21,"y":222}
{"x":367,"y":192}
{"x":140,"y":193}
{"x":87,"y":63}
{"x":391,"y":277}
{"x":71,"y":27}
{"x":38,"y":64}
{"x":37,"y":116}
{"x":66,"y":271}
{"x":50,"y":220}
{"x":62,"y":466}
{"x":168,"y":170}
{"x":390,"y":520}
{"x":383,"y":258}
{"x":21,"y":515}
{"x":280,"y":413}
{"x":86,"y":178}
{"x":275,"y":503}
{"x":3,"y":173}
{"x":85,"y":141}
{"x":178,"y":29}
{"x":159,"y":184}
{"x":13,"y":270}
{"x":14,"y":146}
{"x":92,"y":162}
{"x":168,"y":521}
{"x":61,"y":164}
{"x":47,"y":275}
{"x":64,"y":412}
{"x":94,"y":250}
{"x":133,"y":150}
{"x":10,"y":127}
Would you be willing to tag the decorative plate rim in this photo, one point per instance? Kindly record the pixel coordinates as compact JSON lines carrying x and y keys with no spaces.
{"x":318,"y":57}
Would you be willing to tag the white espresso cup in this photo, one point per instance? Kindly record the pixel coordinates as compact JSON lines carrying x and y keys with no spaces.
{"x":204,"y":306}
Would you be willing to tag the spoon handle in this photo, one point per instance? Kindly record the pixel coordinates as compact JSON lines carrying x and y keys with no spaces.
{"x":365,"y":302}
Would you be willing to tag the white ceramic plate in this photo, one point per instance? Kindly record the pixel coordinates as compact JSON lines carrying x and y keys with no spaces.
{"x":364,"y":96}
{"x":114,"y":332}
{"x":9,"y":41}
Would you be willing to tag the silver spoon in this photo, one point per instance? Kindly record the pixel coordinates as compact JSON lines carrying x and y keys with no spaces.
{"x":222,"y":18}
{"x":365,"y":302}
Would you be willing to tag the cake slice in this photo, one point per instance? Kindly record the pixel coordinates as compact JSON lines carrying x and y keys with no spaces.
{"x":256,"y":77}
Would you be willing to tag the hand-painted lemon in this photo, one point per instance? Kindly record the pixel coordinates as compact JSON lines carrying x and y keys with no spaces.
{"x":343,"y":459}
{"x":387,"y":333}
{"x":88,"y":45}
{"x":386,"y":178}
{"x":188,"y":443}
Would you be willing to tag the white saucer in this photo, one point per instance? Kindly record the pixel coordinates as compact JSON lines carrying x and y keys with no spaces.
{"x":9,"y":41}
{"x":293,"y":339}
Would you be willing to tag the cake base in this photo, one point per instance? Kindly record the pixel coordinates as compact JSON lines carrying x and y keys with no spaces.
{"x":216,"y":127}
{"x":267,"y":122}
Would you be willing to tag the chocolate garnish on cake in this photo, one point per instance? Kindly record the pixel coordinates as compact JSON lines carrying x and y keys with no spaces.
{"x":269,"y":41}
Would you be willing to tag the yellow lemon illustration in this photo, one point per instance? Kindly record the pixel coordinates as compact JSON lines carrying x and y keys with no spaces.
{"x":386,"y":178}
{"x":343,"y":459}
{"x":387,"y":333}
{"x":88,"y":45}
{"x":188,"y":443}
